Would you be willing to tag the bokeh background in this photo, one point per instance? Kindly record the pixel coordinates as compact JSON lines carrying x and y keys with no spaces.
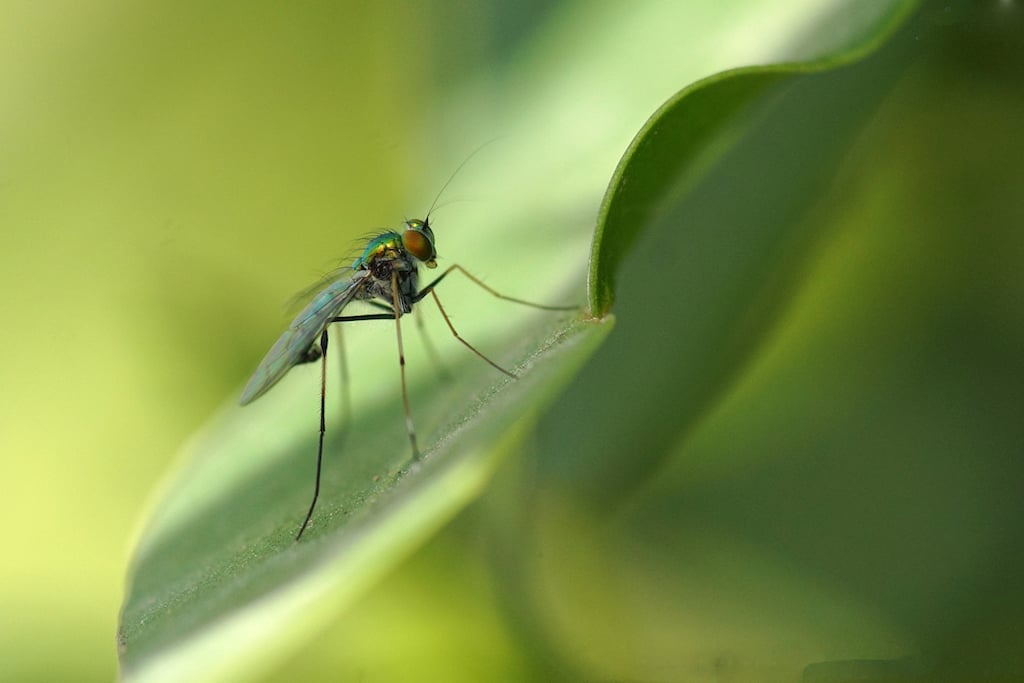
{"x":170,"y":173}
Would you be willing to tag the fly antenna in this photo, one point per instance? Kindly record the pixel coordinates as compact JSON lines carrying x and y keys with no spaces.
{"x":433,"y":204}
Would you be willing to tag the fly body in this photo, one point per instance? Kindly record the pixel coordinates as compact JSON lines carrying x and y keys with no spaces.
{"x":386,"y":276}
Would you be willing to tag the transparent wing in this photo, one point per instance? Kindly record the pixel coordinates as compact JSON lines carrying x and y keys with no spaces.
{"x":301,"y":299}
{"x":293,"y":344}
{"x":342,"y":272}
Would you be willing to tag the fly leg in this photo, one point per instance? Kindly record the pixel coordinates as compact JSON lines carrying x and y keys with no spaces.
{"x":323,"y":428}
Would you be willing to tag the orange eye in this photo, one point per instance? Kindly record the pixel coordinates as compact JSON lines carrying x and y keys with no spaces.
{"x":419,"y":244}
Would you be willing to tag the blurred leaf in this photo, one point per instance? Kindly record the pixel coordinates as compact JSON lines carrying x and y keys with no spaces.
{"x":803,"y":440}
{"x":724,"y":247}
{"x":697,"y":126}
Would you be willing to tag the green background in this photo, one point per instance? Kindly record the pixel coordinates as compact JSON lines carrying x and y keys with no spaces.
{"x":842,"y":484}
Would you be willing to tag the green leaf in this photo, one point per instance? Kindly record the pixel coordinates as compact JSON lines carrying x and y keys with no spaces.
{"x":725,"y":241}
{"x":697,"y":127}
{"x":219,"y":569}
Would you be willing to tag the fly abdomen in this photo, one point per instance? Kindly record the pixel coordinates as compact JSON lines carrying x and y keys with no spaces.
{"x":313,"y":353}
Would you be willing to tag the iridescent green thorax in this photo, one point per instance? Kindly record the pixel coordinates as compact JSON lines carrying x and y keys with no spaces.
{"x":387,"y":245}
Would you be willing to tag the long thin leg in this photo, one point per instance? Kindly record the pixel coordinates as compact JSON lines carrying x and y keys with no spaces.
{"x":401,"y":363}
{"x":346,"y":390}
{"x":356,"y":318}
{"x":393,"y":315}
{"x":435,"y":360}
{"x":480,"y":283}
{"x":464,"y":342}
{"x":323,"y":428}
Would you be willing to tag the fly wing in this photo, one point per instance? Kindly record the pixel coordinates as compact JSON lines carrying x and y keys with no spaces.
{"x":296,"y":341}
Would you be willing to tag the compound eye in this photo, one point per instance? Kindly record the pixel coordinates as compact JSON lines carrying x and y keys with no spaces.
{"x":418,"y":240}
